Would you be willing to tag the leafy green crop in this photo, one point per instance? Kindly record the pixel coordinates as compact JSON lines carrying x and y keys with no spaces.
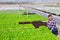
{"x":11,"y":30}
{"x":41,"y":33}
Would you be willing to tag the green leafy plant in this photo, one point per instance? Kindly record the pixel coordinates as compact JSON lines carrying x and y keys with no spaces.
{"x":11,"y":30}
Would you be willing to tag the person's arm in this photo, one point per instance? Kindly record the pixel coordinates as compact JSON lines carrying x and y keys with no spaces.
{"x":48,"y":24}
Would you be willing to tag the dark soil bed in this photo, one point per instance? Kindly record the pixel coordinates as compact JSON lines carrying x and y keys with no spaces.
{"x":36,"y":24}
{"x":28,"y":13}
{"x":58,"y":15}
{"x":53,"y":13}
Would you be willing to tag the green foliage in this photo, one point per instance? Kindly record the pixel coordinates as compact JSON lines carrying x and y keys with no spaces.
{"x":41,"y":33}
{"x":11,"y":30}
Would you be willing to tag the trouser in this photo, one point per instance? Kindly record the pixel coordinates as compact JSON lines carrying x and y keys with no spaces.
{"x":55,"y":31}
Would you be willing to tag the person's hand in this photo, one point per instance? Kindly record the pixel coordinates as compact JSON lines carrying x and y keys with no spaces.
{"x":51,"y":30}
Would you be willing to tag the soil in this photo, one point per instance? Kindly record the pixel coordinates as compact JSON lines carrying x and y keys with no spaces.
{"x":48,"y":12}
{"x":36,"y":24}
{"x":58,"y":15}
{"x":29,"y":13}
{"x":45,"y":12}
{"x":53,"y":13}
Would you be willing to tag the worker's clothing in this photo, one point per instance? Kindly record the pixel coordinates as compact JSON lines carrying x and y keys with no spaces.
{"x":52,"y":26}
